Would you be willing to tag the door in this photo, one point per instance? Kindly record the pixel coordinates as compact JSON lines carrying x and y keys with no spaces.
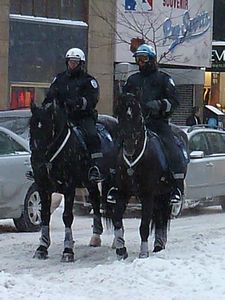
{"x":216,"y":141}
{"x":14,"y":163}
{"x":199,"y":169}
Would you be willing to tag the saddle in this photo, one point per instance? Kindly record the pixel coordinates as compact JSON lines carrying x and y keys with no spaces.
{"x":180,"y":140}
{"x":105,"y":136}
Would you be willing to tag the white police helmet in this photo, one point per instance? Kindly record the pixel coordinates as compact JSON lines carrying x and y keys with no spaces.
{"x":76,"y":54}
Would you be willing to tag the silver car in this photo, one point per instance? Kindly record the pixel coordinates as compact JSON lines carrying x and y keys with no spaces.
{"x":205,"y":180}
{"x":19,"y":198}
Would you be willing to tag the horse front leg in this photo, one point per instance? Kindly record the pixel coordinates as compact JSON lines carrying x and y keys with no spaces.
{"x":68,"y":253}
{"x":146,"y":217}
{"x":94,"y":195}
{"x":119,"y":209}
{"x":42,"y":252}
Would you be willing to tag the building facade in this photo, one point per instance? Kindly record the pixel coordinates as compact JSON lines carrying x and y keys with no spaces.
{"x":36,"y":36}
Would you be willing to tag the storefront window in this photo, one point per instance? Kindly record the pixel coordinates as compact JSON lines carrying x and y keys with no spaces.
{"x":21,"y":96}
{"x":214,"y":89}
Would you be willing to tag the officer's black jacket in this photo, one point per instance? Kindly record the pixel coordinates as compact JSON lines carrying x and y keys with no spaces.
{"x":67,"y":88}
{"x":156,"y":85}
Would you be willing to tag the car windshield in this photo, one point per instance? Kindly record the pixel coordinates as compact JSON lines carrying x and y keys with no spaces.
{"x":16,"y":121}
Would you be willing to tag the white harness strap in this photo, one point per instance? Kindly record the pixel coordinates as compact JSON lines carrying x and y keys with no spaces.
{"x":131,"y":164}
{"x":61,"y":147}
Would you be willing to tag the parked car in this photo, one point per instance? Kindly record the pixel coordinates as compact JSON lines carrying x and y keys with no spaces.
{"x":205,"y":180}
{"x":19,"y":198}
{"x":16,"y":120}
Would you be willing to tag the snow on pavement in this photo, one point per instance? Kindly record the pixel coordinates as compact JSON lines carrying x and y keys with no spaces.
{"x":191,"y":267}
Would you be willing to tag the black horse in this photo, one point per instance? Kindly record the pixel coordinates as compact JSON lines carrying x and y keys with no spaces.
{"x":60,"y":163}
{"x":142,"y":171}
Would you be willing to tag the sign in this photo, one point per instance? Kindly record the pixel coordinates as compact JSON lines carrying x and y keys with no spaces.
{"x":180,"y":30}
{"x":138,"y":6}
{"x":218,"y":58}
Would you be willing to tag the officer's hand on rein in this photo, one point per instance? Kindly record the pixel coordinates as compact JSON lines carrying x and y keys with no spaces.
{"x":77,"y":104}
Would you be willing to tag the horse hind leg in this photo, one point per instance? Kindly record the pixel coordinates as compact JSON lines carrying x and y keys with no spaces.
{"x":68,"y":254}
{"x":42,"y":252}
{"x":94,"y":195}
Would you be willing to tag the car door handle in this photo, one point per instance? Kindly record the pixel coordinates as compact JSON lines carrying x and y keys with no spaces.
{"x":209,"y":164}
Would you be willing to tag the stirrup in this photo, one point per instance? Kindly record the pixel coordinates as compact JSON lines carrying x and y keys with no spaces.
{"x":176,"y":197}
{"x":94,"y":174}
{"x":111,"y":195}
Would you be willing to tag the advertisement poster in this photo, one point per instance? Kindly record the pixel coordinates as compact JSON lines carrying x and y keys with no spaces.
{"x":180,"y":30}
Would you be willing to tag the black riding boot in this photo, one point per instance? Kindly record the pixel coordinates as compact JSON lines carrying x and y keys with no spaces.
{"x":94,"y":173}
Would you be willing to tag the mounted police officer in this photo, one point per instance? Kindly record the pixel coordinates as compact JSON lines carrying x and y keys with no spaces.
{"x":157,"y":94}
{"x":78,"y":92}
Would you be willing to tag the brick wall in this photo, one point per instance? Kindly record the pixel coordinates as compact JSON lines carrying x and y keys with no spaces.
{"x":185,"y":96}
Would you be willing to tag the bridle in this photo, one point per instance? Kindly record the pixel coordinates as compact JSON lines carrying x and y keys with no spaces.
{"x":58,"y":141}
{"x":137,"y":134}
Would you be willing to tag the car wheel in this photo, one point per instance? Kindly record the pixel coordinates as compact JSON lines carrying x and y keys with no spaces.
{"x":30,"y":219}
{"x":177,"y":209}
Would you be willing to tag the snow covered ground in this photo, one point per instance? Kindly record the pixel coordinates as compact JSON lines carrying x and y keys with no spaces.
{"x":192,"y":266}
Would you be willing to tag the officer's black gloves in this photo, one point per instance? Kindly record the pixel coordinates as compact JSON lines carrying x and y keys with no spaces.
{"x":157,"y":107}
{"x":78,"y":104}
{"x":81,"y":103}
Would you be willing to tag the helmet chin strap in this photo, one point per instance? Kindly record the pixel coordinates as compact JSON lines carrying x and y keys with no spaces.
{"x":148,"y":67}
{"x":76,"y":70}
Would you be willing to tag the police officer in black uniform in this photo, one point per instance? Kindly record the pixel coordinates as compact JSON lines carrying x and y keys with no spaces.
{"x":157,"y":94}
{"x":77,"y":92}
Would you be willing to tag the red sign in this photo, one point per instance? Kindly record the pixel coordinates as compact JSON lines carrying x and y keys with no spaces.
{"x":182,"y":4}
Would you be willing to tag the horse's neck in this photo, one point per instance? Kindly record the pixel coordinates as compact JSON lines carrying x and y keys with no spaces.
{"x":140,"y":143}
{"x":58,"y":138}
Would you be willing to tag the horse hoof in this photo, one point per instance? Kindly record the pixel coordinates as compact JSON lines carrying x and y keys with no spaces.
{"x":158,"y":249}
{"x":121,"y":253}
{"x":68,"y":255}
{"x":41,"y":253}
{"x":95,"y":241}
{"x":144,"y":254}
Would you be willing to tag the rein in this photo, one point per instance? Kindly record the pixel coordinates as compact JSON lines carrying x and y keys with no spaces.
{"x":61,"y":146}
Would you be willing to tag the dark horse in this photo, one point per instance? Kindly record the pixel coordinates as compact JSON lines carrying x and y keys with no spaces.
{"x":142,"y":170}
{"x":60,"y":162}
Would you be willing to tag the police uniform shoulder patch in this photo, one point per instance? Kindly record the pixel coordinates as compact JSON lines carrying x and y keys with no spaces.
{"x":171,"y":81}
{"x":94,"y":83}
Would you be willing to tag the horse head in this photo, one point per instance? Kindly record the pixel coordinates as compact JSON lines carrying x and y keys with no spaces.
{"x":131,"y":122}
{"x":46,"y":123}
